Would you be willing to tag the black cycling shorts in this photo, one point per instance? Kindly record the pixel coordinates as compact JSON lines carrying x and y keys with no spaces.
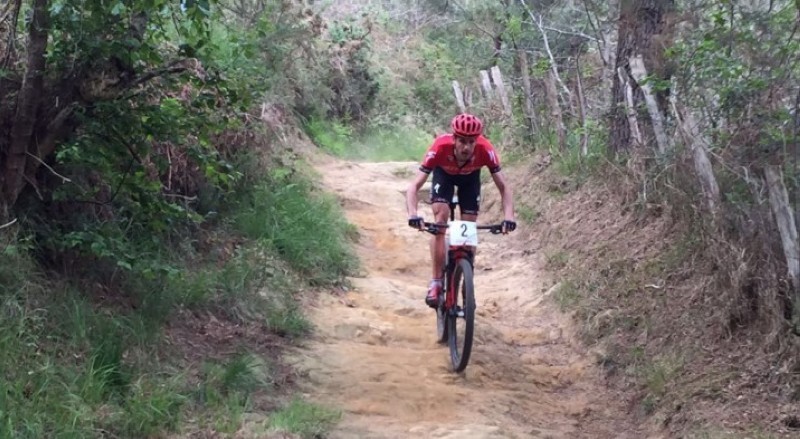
{"x":469,"y":190}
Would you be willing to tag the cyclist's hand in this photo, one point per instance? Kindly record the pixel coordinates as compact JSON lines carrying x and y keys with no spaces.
{"x":415,"y":222}
{"x":509,"y":226}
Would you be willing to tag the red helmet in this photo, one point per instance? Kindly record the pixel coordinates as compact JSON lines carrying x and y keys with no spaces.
{"x":466,"y":125}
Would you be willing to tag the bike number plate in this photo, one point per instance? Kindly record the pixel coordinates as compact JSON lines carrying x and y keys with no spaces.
{"x":463,"y":233}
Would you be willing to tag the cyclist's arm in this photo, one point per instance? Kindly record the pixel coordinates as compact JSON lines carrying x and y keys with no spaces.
{"x":411,"y":193}
{"x":505,"y":193}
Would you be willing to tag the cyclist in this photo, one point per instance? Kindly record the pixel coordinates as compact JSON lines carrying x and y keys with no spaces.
{"x":456,"y":159}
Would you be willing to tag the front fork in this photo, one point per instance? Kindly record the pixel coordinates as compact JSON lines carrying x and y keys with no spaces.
{"x":452,"y":256}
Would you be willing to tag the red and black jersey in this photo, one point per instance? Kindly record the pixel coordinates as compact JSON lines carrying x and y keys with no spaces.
{"x":442,"y":155}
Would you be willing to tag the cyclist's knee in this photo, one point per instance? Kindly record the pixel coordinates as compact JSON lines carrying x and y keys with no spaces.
{"x":441,"y":211}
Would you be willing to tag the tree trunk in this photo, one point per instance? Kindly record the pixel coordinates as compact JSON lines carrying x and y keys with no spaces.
{"x":524,"y":69}
{"x":694,"y":139}
{"x":784,"y":217}
{"x":539,"y":22}
{"x":13,"y":169}
{"x":639,"y":22}
{"x":656,"y":117}
{"x":581,"y":107}
{"x":629,"y":109}
{"x":555,"y":110}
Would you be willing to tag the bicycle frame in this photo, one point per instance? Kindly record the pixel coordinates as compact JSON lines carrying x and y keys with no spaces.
{"x":459,"y":258}
{"x":454,"y":253}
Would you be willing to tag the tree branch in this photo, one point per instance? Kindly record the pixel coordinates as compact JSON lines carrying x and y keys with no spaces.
{"x":170,"y":69}
{"x":474,"y":23}
{"x":63,"y":179}
{"x":8,"y":224}
{"x":553,"y":64}
{"x":12,"y":33}
{"x":601,"y":43}
{"x":569,"y":32}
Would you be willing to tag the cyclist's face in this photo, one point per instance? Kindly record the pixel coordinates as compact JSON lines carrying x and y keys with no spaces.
{"x":464,"y":146}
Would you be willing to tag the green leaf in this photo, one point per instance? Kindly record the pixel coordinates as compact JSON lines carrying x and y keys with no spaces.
{"x":118,"y":9}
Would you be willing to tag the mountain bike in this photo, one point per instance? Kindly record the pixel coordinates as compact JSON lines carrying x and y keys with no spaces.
{"x":455,"y":315}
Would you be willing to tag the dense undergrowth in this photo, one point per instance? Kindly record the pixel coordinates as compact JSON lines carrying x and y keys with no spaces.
{"x":656,"y":293}
{"x":155,"y":251}
{"x":154,"y":218}
{"x":84,"y":355}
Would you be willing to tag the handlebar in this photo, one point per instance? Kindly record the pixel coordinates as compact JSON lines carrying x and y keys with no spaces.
{"x":435,"y":228}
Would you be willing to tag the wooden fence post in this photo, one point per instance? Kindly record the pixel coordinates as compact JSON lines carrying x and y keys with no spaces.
{"x":784,"y":216}
{"x":556,"y":117}
{"x":639,"y":74}
{"x":694,"y":139}
{"x":630,"y":111}
{"x":459,"y":97}
{"x":486,"y":85}
{"x":501,"y":89}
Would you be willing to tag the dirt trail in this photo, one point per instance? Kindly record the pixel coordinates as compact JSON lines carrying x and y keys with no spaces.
{"x":374,"y":354}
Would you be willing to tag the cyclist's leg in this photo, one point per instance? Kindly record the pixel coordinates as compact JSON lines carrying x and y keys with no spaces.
{"x":441,"y":211}
{"x":442,"y":187}
{"x":441,"y":194}
{"x":469,"y":195}
{"x":469,"y":198}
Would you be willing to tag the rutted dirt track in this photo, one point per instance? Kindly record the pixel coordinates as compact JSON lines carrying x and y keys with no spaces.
{"x":375,"y":357}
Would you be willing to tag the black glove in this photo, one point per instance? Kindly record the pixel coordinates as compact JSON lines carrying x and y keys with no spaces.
{"x":510,"y":226}
{"x":415,"y":222}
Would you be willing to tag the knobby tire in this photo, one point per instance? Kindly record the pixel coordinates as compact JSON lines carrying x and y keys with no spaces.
{"x":465,"y":297}
{"x":441,"y":321}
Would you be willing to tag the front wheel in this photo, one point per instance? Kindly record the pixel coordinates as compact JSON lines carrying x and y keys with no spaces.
{"x":461,"y":318}
{"x":441,"y":321}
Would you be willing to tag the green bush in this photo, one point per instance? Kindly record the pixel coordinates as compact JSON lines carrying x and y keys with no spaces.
{"x":304,"y":419}
{"x":305,"y":227}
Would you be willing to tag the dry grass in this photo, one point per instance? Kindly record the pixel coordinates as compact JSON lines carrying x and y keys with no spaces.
{"x":683,"y":312}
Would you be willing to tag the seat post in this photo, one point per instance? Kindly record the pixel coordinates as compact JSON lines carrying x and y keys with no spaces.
{"x":453,"y":204}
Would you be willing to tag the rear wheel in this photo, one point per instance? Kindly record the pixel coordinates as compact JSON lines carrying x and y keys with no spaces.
{"x":461,"y":318}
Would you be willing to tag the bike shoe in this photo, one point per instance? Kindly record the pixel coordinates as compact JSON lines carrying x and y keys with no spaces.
{"x":432,"y":299}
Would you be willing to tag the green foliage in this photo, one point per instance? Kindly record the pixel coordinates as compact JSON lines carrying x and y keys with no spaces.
{"x":107,"y":383}
{"x":88,"y":33}
{"x":333,"y":137}
{"x":432,"y":89}
{"x":302,"y":225}
{"x":44,"y":396}
{"x":304,"y":419}
{"x":154,"y":405}
{"x":527,"y":213}
{"x":375,"y":143}
{"x":745,"y":60}
{"x":571,"y":162}
{"x":391,"y":144}
{"x":241,"y":375}
{"x":349,"y":72}
{"x":157,"y":163}
{"x":285,"y":318}
{"x":17,"y":272}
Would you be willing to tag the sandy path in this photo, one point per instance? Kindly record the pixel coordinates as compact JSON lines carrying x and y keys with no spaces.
{"x":374,"y":355}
